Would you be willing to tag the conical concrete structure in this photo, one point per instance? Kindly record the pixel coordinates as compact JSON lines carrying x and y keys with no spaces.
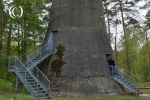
{"x":81,"y":49}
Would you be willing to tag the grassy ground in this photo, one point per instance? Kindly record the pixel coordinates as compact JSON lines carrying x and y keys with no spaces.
{"x":146,"y":91}
{"x":12,"y":96}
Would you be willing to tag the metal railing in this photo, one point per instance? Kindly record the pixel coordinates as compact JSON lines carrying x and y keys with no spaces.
{"x":26,"y":79}
{"x":40,"y":76}
{"x":30,"y":51}
{"x":37,"y":53}
{"x":126,"y":74}
{"x":15,"y":62}
{"x":130,"y":74}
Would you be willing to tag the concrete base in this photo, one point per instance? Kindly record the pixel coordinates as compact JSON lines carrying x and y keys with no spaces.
{"x":95,"y":86}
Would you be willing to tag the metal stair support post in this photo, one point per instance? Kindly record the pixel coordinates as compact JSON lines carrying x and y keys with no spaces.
{"x":16,"y":84}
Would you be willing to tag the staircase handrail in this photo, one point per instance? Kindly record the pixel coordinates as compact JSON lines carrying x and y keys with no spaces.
{"x":10,"y":65}
{"x":133,"y":81}
{"x":129,"y":78}
{"x":35,"y":67}
{"x":22,"y":65}
{"x":31,"y":73}
{"x":28,"y":52}
{"x":41,"y":73}
{"x":132,"y":75}
{"x":25,"y":80}
{"x":37,"y":80}
{"x":40,"y":50}
{"x":45,"y":44}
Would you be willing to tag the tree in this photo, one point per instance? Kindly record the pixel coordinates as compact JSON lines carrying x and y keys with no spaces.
{"x":125,"y":17}
{"x":20,"y":35}
{"x":1,"y":25}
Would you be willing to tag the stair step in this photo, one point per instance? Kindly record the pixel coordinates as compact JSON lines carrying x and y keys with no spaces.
{"x":38,"y":88}
{"x":28,"y":77}
{"x":35,"y":85}
{"x":126,"y":84}
{"x":26,"y":73}
{"x":44,"y":94}
{"x":24,"y":70}
{"x":20,"y":68}
{"x":43,"y":91}
{"x":33,"y":82}
{"x":31,"y":79}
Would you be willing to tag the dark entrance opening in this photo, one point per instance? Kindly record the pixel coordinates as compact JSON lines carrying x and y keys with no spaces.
{"x":52,"y":40}
{"x":108,"y":56}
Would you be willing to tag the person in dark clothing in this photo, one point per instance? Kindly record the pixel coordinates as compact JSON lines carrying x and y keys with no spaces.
{"x":111,"y":64}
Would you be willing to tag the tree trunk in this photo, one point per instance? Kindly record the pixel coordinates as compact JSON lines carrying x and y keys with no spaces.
{"x":147,"y":45}
{"x":125,"y":37}
{"x":148,"y":49}
{"x":18,"y":41}
{"x":79,"y":60}
{"x":108,"y":22}
{"x":9,"y":38}
{"x":34,"y":42}
{"x":116,"y":53}
{"x":1,"y":27}
{"x":108,"y":25}
{"x":24,"y":48}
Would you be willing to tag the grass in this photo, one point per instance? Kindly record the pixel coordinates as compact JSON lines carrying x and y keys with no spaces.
{"x":145,"y":91}
{"x":6,"y":86}
{"x":13,"y":96}
{"x":7,"y":90}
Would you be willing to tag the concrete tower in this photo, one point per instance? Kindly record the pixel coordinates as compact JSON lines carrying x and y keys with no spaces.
{"x":81,"y":49}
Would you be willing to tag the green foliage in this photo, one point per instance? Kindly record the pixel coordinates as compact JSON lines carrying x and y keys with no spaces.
{"x":6,"y":86}
{"x":20,"y":35}
{"x":25,"y":91}
{"x":138,"y":53}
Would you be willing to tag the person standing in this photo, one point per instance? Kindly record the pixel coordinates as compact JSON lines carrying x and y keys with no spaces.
{"x":111,"y":64}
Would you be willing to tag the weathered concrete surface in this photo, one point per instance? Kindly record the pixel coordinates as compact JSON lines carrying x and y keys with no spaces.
{"x":82,"y":33}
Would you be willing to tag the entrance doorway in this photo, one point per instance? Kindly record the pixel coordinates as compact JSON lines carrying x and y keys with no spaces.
{"x":52,"y":40}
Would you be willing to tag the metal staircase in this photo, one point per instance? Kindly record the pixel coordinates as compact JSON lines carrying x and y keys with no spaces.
{"x":126,"y":79}
{"x":29,"y":74}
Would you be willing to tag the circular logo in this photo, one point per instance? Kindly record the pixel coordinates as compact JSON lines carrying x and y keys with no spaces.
{"x":15,"y":12}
